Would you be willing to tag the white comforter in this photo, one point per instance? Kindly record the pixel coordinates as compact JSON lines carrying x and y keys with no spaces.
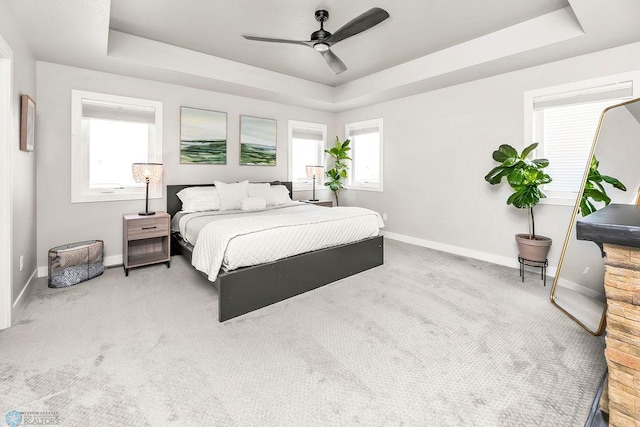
{"x":251,"y":239}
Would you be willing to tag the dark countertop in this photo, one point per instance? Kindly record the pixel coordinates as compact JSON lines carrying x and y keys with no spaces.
{"x":614,"y":224}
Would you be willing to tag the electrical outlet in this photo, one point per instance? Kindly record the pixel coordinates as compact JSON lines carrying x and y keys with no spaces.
{"x":384,"y":216}
{"x":21,"y":262}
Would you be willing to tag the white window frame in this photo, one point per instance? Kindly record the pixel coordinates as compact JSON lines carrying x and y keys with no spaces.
{"x":555,"y":198}
{"x":351,"y":184}
{"x":80,"y":191}
{"x":318,"y":127}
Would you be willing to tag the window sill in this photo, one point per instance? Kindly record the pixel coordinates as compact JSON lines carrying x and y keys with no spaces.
{"x":112,"y":197}
{"x":363,"y":188}
{"x":304,"y":186}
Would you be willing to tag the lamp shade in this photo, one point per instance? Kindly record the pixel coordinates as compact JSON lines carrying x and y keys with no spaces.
{"x":315,"y":172}
{"x":147,"y":172}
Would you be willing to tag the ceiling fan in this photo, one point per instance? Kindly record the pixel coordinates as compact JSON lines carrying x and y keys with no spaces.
{"x":322,"y":40}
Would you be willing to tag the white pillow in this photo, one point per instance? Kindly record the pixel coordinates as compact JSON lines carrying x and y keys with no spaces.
{"x":198,"y":199}
{"x":253,"y":204}
{"x":232,"y":195}
{"x":262,"y":190}
{"x":280,"y":194}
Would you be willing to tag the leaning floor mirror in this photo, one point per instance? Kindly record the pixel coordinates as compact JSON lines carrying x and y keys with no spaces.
{"x":578,"y":286}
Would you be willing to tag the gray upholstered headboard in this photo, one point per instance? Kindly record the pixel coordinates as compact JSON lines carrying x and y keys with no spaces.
{"x":174,"y":204}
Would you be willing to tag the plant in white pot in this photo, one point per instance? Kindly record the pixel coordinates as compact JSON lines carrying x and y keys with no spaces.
{"x":525,"y":176}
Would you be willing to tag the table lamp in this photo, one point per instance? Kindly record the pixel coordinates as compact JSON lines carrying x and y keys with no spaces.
{"x":312,"y":173}
{"x":146,"y":173}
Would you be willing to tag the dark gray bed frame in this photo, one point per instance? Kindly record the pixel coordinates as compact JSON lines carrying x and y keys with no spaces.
{"x":250,"y":288}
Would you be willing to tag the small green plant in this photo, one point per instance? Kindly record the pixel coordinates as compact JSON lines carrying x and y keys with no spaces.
{"x":339,"y":154}
{"x":525,"y":176}
{"x":594,"y":190}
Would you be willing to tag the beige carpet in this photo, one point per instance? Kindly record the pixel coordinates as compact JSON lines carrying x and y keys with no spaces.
{"x":428,"y":339}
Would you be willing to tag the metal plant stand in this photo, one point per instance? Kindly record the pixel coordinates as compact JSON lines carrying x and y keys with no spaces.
{"x":540,"y":264}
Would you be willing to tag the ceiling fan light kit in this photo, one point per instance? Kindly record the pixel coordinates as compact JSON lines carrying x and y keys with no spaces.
{"x":322,"y":40}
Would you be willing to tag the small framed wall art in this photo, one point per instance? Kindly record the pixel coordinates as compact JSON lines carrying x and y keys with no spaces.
{"x":27,"y":123}
{"x":203,"y":137}
{"x":257,"y":141}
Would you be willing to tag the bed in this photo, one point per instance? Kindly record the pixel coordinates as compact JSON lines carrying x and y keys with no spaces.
{"x":249,"y":288}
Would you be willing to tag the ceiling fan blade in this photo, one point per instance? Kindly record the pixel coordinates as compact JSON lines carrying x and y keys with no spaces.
{"x":334,"y":62}
{"x":266,"y":39}
{"x":370,"y":18}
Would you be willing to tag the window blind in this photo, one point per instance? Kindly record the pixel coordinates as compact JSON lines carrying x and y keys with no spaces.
{"x":363,"y":131}
{"x":568,"y":134}
{"x":117,"y":112}
{"x":309,"y":134}
{"x":621,"y":90}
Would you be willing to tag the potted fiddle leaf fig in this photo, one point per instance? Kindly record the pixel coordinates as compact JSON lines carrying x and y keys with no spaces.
{"x":339,"y":154}
{"x":525,"y":176}
{"x":594,"y":190}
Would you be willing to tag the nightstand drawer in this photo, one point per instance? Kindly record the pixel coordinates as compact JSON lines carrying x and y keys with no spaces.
{"x":144,"y":228}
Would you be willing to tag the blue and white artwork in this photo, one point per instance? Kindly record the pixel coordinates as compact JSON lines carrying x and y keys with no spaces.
{"x":257,"y":141}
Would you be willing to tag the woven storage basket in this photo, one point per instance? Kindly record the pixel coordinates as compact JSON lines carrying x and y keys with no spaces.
{"x":74,"y":263}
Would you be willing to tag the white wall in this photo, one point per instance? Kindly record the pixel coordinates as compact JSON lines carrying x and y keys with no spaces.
{"x":438,"y":149}
{"x":61,"y":222}
{"x":23,"y":164}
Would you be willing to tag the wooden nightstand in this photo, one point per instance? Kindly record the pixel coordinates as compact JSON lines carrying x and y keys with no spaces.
{"x":145,"y":240}
{"x":325,"y":203}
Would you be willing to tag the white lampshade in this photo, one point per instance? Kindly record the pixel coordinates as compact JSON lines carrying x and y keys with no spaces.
{"x":315,"y":172}
{"x":147,"y":172}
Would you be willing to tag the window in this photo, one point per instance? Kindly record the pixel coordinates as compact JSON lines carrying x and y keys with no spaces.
{"x":109,"y":134}
{"x":306,"y":147}
{"x":365,"y":171}
{"x":564,"y":121}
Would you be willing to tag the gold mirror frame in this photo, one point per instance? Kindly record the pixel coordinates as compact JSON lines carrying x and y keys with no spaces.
{"x":602,"y":324}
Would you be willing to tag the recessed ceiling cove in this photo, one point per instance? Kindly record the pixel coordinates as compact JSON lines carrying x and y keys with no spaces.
{"x":415,"y":28}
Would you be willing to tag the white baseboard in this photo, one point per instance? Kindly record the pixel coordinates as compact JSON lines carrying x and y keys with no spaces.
{"x":582,"y":290}
{"x":115,"y":260}
{"x":109,"y":261}
{"x":112,"y":260}
{"x":470,"y":253}
{"x":19,"y":303}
